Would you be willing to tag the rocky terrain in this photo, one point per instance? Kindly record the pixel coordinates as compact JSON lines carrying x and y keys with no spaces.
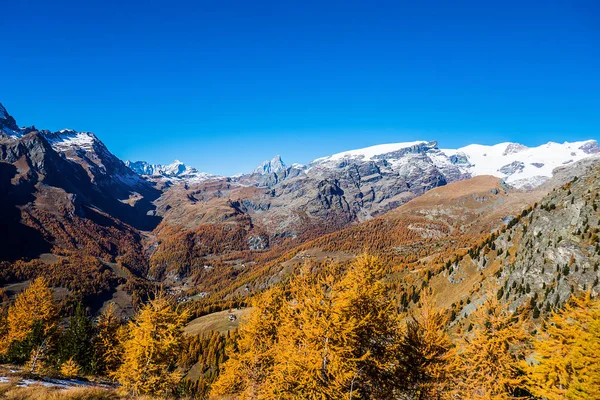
{"x":304,"y":201}
{"x":548,"y":252}
{"x":60,"y":187}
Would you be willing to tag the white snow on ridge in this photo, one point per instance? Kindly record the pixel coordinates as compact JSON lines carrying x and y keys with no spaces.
{"x":67,"y":138}
{"x":368,"y":153}
{"x":521,"y":166}
{"x":173,"y":172}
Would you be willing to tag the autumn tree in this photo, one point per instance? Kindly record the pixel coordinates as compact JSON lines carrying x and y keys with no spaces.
{"x":379,"y":332}
{"x":425,"y":351}
{"x":150,"y":349}
{"x":251,"y":360}
{"x":567,"y":353}
{"x":106,"y":345}
{"x":315,"y":355}
{"x":29,"y":324}
{"x":488,"y":363}
{"x":324,"y":337}
{"x":70,"y":368}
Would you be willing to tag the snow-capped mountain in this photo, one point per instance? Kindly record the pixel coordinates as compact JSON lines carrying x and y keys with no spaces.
{"x":519,"y":165}
{"x":174,"y":171}
{"x":8,"y":125}
{"x":271,"y":166}
{"x":81,"y":168}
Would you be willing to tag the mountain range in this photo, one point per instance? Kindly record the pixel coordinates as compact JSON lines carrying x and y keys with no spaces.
{"x":519,"y":165}
{"x":64,"y":193}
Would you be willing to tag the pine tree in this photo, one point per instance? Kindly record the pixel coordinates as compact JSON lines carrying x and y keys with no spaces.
{"x":488,"y":363}
{"x":76,"y":341}
{"x":150,"y":349}
{"x":567,"y":353}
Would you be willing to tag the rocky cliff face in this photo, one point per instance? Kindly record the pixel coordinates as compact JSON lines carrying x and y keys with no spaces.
{"x":323,"y":196}
{"x":548,"y":253}
{"x":357,"y":185}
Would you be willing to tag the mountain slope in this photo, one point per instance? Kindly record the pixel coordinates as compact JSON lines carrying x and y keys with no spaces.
{"x":69,"y":188}
{"x":550,"y":252}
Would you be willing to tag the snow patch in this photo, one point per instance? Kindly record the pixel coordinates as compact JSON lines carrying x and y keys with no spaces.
{"x":368,"y":153}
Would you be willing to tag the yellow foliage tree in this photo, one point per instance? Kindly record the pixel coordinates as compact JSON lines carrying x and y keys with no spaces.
{"x":379,"y":331}
{"x":32,"y":316}
{"x":324,"y":339}
{"x":488,"y":363}
{"x":69,"y":369}
{"x":150,"y":349}
{"x":34,"y":305}
{"x":426,"y":351}
{"x":567,"y":353}
{"x":315,"y":356}
{"x":107,"y":349}
{"x":244,"y":373}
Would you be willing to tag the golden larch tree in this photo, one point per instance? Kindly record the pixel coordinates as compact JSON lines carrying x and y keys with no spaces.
{"x":488,"y":363}
{"x":34,"y":313}
{"x":34,"y":304}
{"x":567,"y":353}
{"x":150,"y":349}
{"x":426,"y":351}
{"x":315,"y":356}
{"x":251,"y":360}
{"x":106,"y":343}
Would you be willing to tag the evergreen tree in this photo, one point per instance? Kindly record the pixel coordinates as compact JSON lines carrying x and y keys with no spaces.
{"x":76,"y":341}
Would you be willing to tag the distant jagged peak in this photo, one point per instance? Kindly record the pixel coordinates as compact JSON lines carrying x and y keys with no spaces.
{"x":274,"y":165}
{"x":175,"y":171}
{"x":8,"y":125}
{"x":3,"y":112}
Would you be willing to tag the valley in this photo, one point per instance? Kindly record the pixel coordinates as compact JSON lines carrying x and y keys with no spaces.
{"x":419,"y":226}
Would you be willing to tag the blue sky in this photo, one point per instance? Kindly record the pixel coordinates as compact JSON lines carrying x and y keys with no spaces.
{"x":224,"y":84}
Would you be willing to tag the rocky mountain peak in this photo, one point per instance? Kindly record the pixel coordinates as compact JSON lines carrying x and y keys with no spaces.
{"x":8,"y":124}
{"x":274,"y":165}
{"x":590,"y":147}
{"x":171,"y":172}
{"x":513,"y":148}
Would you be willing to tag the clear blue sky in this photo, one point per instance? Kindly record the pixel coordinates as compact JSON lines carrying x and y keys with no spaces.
{"x":224,"y":84}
